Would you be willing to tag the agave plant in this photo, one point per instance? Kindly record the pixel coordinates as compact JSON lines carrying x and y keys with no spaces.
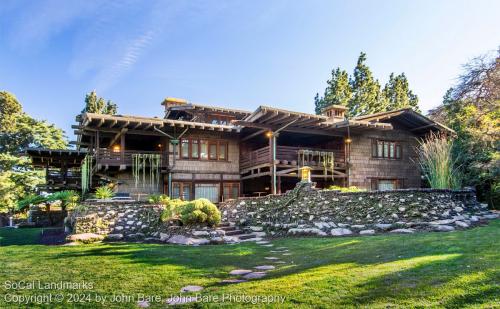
{"x":103,"y":193}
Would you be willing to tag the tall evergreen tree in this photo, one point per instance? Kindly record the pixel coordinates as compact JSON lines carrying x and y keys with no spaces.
{"x":97,"y":105}
{"x":366,"y":96}
{"x":397,"y":93}
{"x":337,"y":92}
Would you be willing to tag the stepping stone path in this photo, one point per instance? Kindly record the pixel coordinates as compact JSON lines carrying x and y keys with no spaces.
{"x":229,"y":281}
{"x":191,"y":288}
{"x":270,"y":245}
{"x":180,"y":300}
{"x":143,"y":304}
{"x":278,"y":251}
{"x":240,"y":272}
{"x":281,"y":248}
{"x":287,"y":254}
{"x":255,"y":275}
{"x":272,"y":258}
{"x":262,"y":242}
{"x":265,"y":267}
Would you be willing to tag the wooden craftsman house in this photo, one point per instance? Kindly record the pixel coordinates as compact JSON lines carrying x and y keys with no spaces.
{"x":221,"y":153}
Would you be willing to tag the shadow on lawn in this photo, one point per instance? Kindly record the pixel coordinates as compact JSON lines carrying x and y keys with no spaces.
{"x":433,"y":260}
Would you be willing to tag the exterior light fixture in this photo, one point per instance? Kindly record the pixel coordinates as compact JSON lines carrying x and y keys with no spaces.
{"x":159,"y":145}
{"x":305,"y":174}
{"x":348,"y":140}
{"x":269,"y":134}
{"x":116,"y":148}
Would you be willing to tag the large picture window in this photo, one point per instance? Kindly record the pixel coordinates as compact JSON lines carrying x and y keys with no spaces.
{"x":210,"y":191}
{"x":383,"y":149}
{"x":202,"y":149}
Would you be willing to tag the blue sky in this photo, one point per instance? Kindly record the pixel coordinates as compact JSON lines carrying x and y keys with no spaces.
{"x":237,"y":54}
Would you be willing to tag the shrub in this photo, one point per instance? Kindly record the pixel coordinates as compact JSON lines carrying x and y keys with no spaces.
{"x":158,"y":199}
{"x":171,"y":208}
{"x":346,"y":189}
{"x":200,"y":211}
{"x":104,"y":192}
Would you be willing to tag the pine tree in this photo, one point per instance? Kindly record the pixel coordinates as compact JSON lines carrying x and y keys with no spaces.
{"x":366,"y":96}
{"x":338,"y":91}
{"x":97,"y":105}
{"x":319,"y":104}
{"x":398,"y":95}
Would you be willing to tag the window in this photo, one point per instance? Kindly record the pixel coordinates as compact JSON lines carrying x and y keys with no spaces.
{"x":231,"y":190}
{"x":212,"y":155}
{"x":185,"y":149}
{"x":194,"y":149}
{"x":203,"y":149}
{"x":210,"y":191}
{"x":386,"y":184}
{"x":386,"y":149}
{"x":181,"y":190}
{"x":222,"y":150}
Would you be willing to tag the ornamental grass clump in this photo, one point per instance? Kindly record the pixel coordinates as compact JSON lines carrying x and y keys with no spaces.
{"x":200,"y":211}
{"x":437,"y":163}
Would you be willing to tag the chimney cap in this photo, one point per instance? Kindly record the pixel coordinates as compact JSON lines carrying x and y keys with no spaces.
{"x":174,"y":101}
{"x":335,"y":106}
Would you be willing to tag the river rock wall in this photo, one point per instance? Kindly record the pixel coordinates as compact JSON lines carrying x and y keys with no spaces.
{"x":307,"y":211}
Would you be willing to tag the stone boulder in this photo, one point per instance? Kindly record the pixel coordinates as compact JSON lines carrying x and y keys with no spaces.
{"x":183,"y":240}
{"x":443,"y":228}
{"x":306,"y":231}
{"x":85,"y":237}
{"x":340,"y":232}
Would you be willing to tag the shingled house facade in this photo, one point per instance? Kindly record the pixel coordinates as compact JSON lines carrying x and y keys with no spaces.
{"x":222,"y":153}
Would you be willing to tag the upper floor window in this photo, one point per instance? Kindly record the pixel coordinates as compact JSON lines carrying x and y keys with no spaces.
{"x":202,"y":149}
{"x":386,"y":149}
{"x":220,"y":119}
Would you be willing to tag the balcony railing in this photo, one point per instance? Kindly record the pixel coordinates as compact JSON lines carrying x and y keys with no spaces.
{"x":286,"y":155}
{"x":112,"y":158}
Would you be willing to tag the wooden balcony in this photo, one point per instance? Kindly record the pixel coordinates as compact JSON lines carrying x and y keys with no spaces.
{"x":286,"y":157}
{"x":125,"y":158}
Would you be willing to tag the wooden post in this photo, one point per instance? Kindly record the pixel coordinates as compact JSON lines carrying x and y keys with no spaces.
{"x":272,"y":147}
{"x":279,"y":184}
{"x":122,"y":148}
{"x":97,"y":146}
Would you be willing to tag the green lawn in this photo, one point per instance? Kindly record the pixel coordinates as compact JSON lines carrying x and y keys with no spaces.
{"x":444,"y":270}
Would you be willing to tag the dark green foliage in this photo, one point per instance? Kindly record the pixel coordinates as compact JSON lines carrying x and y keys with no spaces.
{"x":17,"y":132}
{"x":362,"y":93}
{"x":97,"y":105}
{"x":29,"y":200}
{"x":69,"y":198}
{"x":200,"y":211}
{"x":472,"y":109}
{"x":398,"y":94}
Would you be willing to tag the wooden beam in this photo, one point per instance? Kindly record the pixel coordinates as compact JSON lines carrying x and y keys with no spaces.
{"x":117,"y":136}
{"x":259,"y":132}
{"x":252,"y":125}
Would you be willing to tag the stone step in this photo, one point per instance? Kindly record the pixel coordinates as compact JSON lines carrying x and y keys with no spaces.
{"x":228,"y":228}
{"x":246,"y":236}
{"x":234,"y":233}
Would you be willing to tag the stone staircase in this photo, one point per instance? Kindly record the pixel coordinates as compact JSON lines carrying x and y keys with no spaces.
{"x":239,"y":235}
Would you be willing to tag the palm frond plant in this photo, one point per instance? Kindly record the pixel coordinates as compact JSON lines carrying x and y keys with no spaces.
{"x":69,"y":198}
{"x":29,"y":200}
{"x":103,"y":193}
{"x":437,"y":162}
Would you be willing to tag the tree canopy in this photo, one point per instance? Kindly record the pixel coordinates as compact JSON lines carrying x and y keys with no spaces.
{"x":18,"y":131}
{"x":362,"y":94}
{"x":472,"y":109}
{"x":97,"y":105}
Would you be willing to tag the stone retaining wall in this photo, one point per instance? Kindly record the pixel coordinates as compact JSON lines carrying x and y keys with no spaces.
{"x":305,"y":210}
{"x":137,"y":221}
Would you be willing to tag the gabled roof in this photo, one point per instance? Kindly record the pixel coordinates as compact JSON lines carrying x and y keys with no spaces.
{"x":416,"y":122}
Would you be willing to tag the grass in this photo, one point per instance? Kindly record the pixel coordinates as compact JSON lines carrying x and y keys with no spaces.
{"x":441,"y":270}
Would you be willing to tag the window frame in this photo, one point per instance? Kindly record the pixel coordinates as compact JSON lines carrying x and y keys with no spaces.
{"x":386,"y":149}
{"x":182,"y":185}
{"x":220,"y":147}
{"x":230,"y":186}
